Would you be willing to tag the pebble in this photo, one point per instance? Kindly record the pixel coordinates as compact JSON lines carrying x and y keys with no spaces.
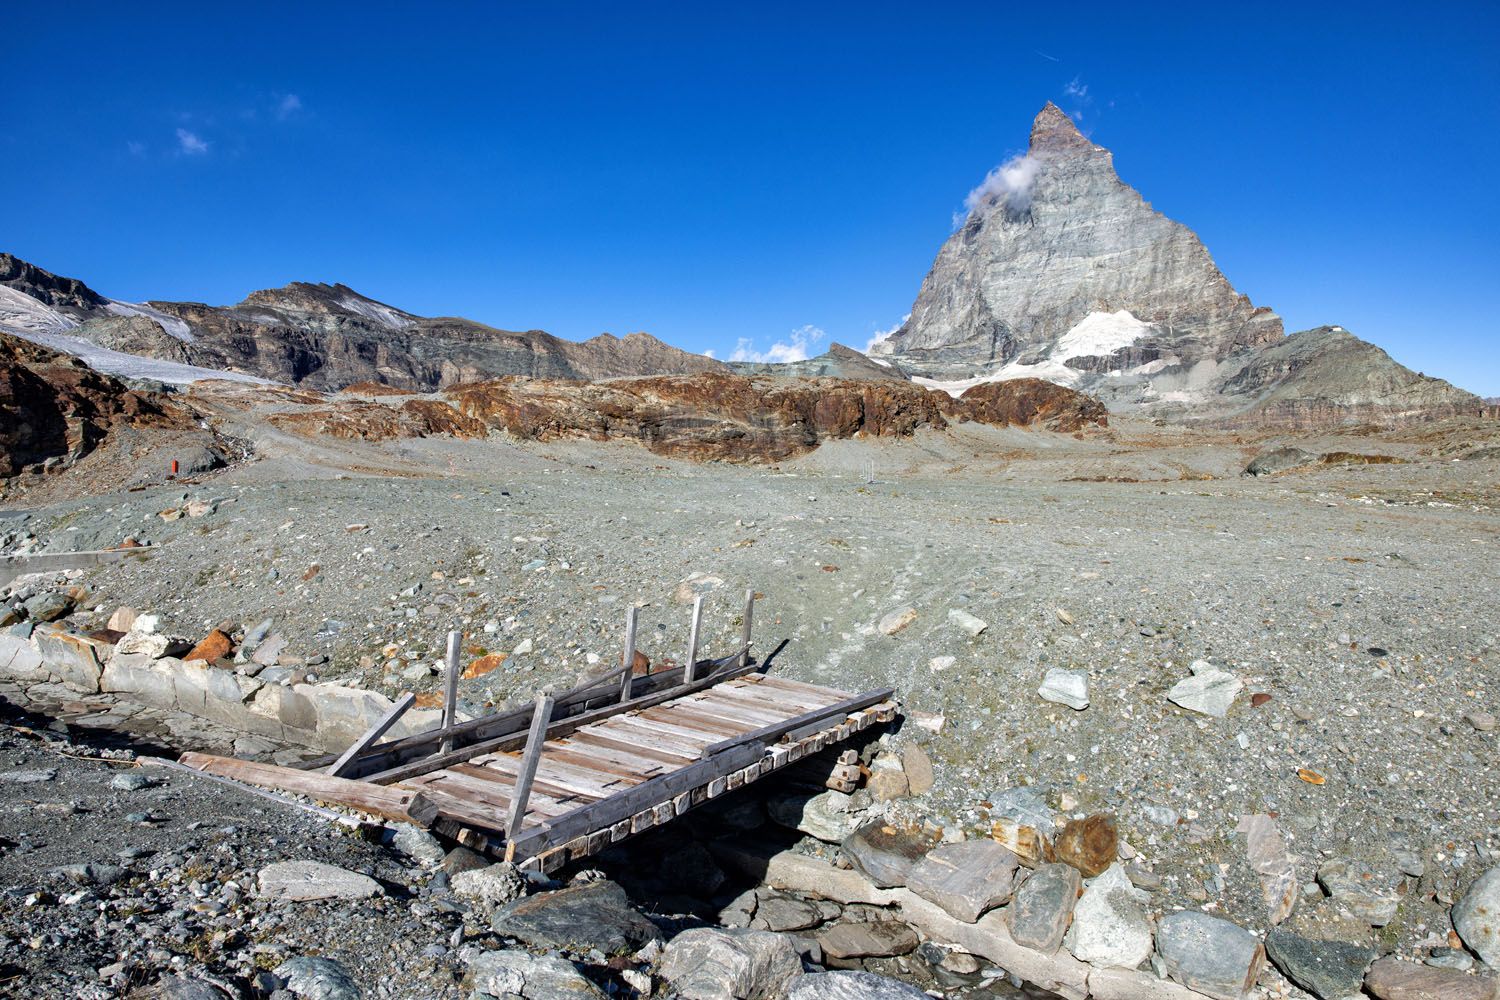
{"x":1066,"y":687}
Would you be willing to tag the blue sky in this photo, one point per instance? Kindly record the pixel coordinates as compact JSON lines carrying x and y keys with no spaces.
{"x":712,"y":172}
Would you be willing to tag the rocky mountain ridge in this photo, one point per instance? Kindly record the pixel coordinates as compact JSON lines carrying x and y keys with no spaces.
{"x":1062,"y":271}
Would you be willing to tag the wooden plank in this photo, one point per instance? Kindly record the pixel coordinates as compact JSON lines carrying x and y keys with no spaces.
{"x":764,"y":694}
{"x":561,"y":728}
{"x":533,"y":755}
{"x":677,"y":714}
{"x":359,"y":746}
{"x":627,"y":659}
{"x":604,"y":741}
{"x":745,"y":627}
{"x":631,"y":729}
{"x":787,"y":684}
{"x":577,"y":781}
{"x":398,"y":802}
{"x":600,"y":768}
{"x":740,"y":711}
{"x":644,"y":767}
{"x":770,"y":734}
{"x":546,"y":799}
{"x":662,"y":730}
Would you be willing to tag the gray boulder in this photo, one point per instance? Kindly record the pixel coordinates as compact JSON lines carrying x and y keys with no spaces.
{"x":965,"y":879}
{"x":313,"y":978}
{"x":829,"y":816}
{"x":1109,"y":929}
{"x":1390,"y":979}
{"x":300,"y":881}
{"x":1329,"y":970}
{"x":1477,"y":917}
{"x":1210,"y":955}
{"x":709,"y":963}
{"x":579,"y":917}
{"x":851,"y":986}
{"x":49,"y":606}
{"x":885,"y":854}
{"x":868,"y":939}
{"x":509,"y":974}
{"x":1043,"y":907}
{"x":493,"y":885}
{"x":417,"y":844}
{"x":1280,"y":460}
{"x":181,"y":988}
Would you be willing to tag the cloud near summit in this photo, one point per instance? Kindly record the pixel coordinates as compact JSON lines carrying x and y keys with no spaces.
{"x":797,"y":347}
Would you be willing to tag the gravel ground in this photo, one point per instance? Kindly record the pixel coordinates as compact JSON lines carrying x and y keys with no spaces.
{"x":1360,"y":601}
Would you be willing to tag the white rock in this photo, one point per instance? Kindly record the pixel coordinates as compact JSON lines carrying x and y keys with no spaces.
{"x":969,"y":623}
{"x":1066,"y":687}
{"x":897,"y":620}
{"x":1209,"y":691}
{"x":940,"y":663}
{"x":1477,"y":917}
{"x":299,"y":881}
{"x":1109,"y":928}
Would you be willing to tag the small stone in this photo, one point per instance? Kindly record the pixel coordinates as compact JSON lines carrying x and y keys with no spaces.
{"x":776,"y":911}
{"x":1450,"y":958}
{"x":1026,"y":807}
{"x":300,"y":881}
{"x":1477,"y":917}
{"x":897,"y":620}
{"x":28,"y":776}
{"x":130,"y":781}
{"x":1367,"y":891}
{"x":1022,"y":841}
{"x":1329,"y":970}
{"x":1109,"y":929}
{"x":872,"y":939}
{"x":969,"y":623}
{"x":918,"y":767}
{"x":1390,"y":979}
{"x":515,"y":973}
{"x":1208,"y":954}
{"x":214,"y":646}
{"x":1482,"y":722}
{"x":940,"y":663}
{"x":1265,"y":848}
{"x":966,"y":879}
{"x":493,"y":885}
{"x":417,"y":844}
{"x":887,"y":778}
{"x":1209,"y":691}
{"x":710,"y":963}
{"x":122,"y":620}
{"x":1043,"y":907}
{"x":696,"y":585}
{"x":1066,"y":687}
{"x":1091,"y":845}
{"x":314,"y":978}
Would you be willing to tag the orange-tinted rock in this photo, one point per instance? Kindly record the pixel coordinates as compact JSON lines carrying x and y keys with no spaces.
{"x":640,"y":664}
{"x":483,"y":665}
{"x":1028,"y":402}
{"x":1091,"y":845}
{"x":213,"y":646}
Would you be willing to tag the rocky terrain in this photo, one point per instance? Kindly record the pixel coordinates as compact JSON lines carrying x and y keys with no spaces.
{"x":1061,"y":271}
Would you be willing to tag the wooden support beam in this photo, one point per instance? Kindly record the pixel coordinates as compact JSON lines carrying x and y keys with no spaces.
{"x":450,"y":690}
{"x":692,"y":650}
{"x":745,"y":628}
{"x":372,"y":734}
{"x":628,"y":660}
{"x":535,"y":739}
{"x":397,"y":802}
{"x":790,"y":728}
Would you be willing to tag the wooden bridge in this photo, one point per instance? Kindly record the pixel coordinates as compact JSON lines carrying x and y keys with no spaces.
{"x":617,"y":755}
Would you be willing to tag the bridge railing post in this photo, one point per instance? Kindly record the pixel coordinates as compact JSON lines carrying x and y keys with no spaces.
{"x":450,"y":690}
{"x":527,"y":775}
{"x":745,"y":630}
{"x":627,"y":661}
{"x":692,"y":649}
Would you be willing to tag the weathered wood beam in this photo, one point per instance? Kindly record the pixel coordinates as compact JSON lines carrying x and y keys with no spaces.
{"x":397,"y":802}
{"x":808,"y":720}
{"x":527,"y":774}
{"x":745,"y":628}
{"x":450,"y":689}
{"x":627,"y":661}
{"x":690,"y":661}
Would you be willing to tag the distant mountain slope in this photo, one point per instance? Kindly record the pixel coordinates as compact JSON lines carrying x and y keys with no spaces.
{"x":324,"y":336}
{"x":837,"y":362}
{"x":1065,"y":273}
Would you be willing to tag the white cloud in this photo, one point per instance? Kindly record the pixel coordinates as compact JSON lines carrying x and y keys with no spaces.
{"x":1008,"y":185}
{"x":883,"y":335}
{"x":708,"y":353}
{"x":190,"y":143}
{"x":289,"y":105}
{"x":797,"y":347}
{"x":136,"y":148}
{"x":1077,"y":88}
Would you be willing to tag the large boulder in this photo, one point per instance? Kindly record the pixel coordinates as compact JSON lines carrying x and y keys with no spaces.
{"x":965,"y":879}
{"x":311,"y":977}
{"x":1209,"y":955}
{"x":710,"y":963}
{"x":1042,"y":908}
{"x":885,"y":854}
{"x":1109,"y":927}
{"x":300,"y":881}
{"x":851,"y":986}
{"x":580,"y":917}
{"x":1477,"y":917}
{"x":509,"y":974}
{"x":829,"y":816}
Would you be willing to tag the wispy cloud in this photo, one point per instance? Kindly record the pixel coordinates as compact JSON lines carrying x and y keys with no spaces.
{"x":798,"y":346}
{"x":882,"y":335}
{"x":190,"y":143}
{"x":288,"y":105}
{"x":135,"y":148}
{"x":708,"y":353}
{"x":1080,"y":103}
{"x":1007,"y":186}
{"x":1077,"y":88}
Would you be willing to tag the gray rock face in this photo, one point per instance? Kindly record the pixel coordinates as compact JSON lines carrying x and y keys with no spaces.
{"x":1389,"y":979}
{"x":592,"y":915}
{"x":1042,"y":909}
{"x":708,"y":963}
{"x":965,"y":879}
{"x":313,"y":978}
{"x":300,"y":881}
{"x":851,"y":986}
{"x":1212,"y":956}
{"x":1329,"y":970}
{"x":1279,"y":460}
{"x":885,"y":854}
{"x":1477,"y":917}
{"x":520,"y":974}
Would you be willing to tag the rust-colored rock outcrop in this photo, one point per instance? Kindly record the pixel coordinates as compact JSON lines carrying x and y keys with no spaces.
{"x":1028,"y":402}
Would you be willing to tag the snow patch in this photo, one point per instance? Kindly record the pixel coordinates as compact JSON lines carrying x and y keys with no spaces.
{"x":1100,"y":334}
{"x":174,"y":326}
{"x":1049,"y":370}
{"x":133,"y":365}
{"x":391,"y":319}
{"x":23,"y":315}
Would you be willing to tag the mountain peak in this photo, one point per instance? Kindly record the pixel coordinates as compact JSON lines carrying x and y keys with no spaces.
{"x":1052,"y":131}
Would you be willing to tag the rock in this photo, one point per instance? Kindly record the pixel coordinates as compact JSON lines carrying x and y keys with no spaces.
{"x":579,"y":917}
{"x":884,"y":853}
{"x":171,"y":987}
{"x":417,"y":844}
{"x":462,"y":859}
{"x":887,"y":778}
{"x":130,"y":781}
{"x":897,"y":620}
{"x":1482,"y":722}
{"x":1109,"y":928}
{"x":696,"y":585}
{"x":1026,"y":807}
{"x":965,"y":879}
{"x":1329,"y":970}
{"x":49,"y":606}
{"x":851,"y":986}
{"x":1265,"y":848}
{"x":1208,"y":954}
{"x":1022,"y":841}
{"x":511,"y":974}
{"x":28,"y":776}
{"x":918,"y":768}
{"x":1477,"y":917}
{"x":829,"y":816}
{"x":1209,"y":691}
{"x":1042,"y":909}
{"x":1066,"y":687}
{"x":92,"y":873}
{"x":493,"y":885}
{"x":300,"y":881}
{"x":940,"y":663}
{"x":214,"y":646}
{"x":1390,"y":979}
{"x":1091,"y":845}
{"x":872,"y":939}
{"x":122,"y":620}
{"x":268,"y":649}
{"x":317,"y":979}
{"x":709,"y":963}
{"x":1367,"y":891}
{"x":969,"y":623}
{"x":1280,"y":460}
